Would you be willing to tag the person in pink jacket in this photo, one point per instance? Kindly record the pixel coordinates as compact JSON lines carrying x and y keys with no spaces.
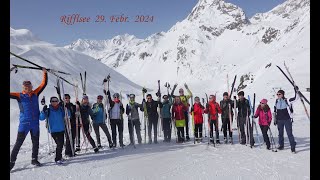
{"x":264,"y":113}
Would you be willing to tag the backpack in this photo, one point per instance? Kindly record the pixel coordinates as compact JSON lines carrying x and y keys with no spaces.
{"x":290,"y":106}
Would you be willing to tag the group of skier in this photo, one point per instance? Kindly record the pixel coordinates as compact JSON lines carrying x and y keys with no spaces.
{"x":174,"y":113}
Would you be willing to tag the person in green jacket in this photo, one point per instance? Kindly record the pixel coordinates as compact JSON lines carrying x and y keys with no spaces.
{"x":166,"y":114}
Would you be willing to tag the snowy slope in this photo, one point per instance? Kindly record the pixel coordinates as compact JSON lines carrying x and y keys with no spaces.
{"x":62,"y":59}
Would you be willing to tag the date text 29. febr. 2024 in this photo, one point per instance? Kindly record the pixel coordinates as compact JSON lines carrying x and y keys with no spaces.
{"x":77,"y":18}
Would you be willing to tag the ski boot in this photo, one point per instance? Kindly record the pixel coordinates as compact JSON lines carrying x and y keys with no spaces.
{"x":96,"y":149}
{"x":280,"y":147}
{"x":217,"y":141}
{"x":35,"y":162}
{"x":231,"y":140}
{"x":225,"y":140}
{"x":187,"y":138}
{"x":77,"y":149}
{"x":293,"y":150}
{"x":99,"y":146}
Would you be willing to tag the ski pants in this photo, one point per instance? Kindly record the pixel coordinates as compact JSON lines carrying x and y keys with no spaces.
{"x":226,"y":126}
{"x":104,"y":129}
{"x":216,"y":128}
{"x":167,"y":129}
{"x":134,"y":124}
{"x":264,"y":130}
{"x":68,"y":150}
{"x":288,"y":125}
{"x":198,"y":130}
{"x":114,"y":124}
{"x":58,"y":138}
{"x":87,"y":133}
{"x":180,"y":133}
{"x":20,"y":139}
{"x":153,"y":121}
{"x":246,"y":127}
{"x":186,"y":116}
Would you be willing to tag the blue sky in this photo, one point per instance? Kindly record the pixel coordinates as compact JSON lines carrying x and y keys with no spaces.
{"x":42,"y":17}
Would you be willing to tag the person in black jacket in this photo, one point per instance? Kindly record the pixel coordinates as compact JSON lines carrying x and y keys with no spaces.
{"x":243,"y":114}
{"x":85,"y":111}
{"x":72,"y":108}
{"x":225,"y":116}
{"x":152,"y":116}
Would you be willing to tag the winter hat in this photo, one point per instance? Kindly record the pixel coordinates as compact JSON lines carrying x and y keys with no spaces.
{"x":54,"y":98}
{"x":132,"y":96}
{"x":85,"y":97}
{"x":264,"y":101}
{"x":225,"y":94}
{"x":116,"y":95}
{"x":281,"y":91}
{"x":99,"y":97}
{"x":26,"y":83}
{"x":241,"y":93}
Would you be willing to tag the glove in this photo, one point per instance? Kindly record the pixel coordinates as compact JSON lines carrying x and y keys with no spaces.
{"x":158,"y":94}
{"x":143,"y":100}
{"x":78,"y":103}
{"x":207,"y":105}
{"x":105,"y":92}
{"x":108,"y":93}
{"x":255,"y":116}
{"x":191,"y":109}
{"x":269,"y":123}
{"x":296,"y":88}
{"x":175,"y":85}
{"x":45,"y":107}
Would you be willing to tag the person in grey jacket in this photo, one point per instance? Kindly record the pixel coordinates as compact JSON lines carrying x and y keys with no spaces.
{"x":133,"y":118}
{"x":115,"y":115}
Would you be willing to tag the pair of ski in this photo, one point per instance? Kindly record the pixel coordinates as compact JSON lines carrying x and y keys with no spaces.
{"x":295,"y":88}
{"x":38,"y":67}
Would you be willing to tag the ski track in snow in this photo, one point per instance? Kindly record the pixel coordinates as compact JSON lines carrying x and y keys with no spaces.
{"x":172,"y":160}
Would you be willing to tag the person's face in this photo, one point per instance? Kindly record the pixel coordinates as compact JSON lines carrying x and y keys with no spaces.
{"x":181,"y":92}
{"x":212,"y":98}
{"x":262,"y":104}
{"x":279,"y":95}
{"x":67,"y":99}
{"x":165,"y":98}
{"x":54,"y":102}
{"x":177,"y":100}
{"x":149,"y":98}
{"x":99,"y":99}
{"x":240,"y":97}
{"x":132,"y":99}
{"x":197,"y":100}
{"x":225,"y":97}
{"x":27,"y":88}
{"x":85,"y":100}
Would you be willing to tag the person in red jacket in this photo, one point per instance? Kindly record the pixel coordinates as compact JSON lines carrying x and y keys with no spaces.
{"x":264,"y":113}
{"x":177,"y":113}
{"x":197,"y":110}
{"x":214,"y":109}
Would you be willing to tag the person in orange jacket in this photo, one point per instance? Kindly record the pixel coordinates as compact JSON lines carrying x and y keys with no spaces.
{"x":214,"y":109}
{"x":198,"y":110}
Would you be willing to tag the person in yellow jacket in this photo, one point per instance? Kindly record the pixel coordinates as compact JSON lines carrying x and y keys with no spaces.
{"x":177,"y":113}
{"x":185,"y":101}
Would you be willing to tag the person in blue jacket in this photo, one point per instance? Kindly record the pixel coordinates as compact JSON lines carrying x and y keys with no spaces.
{"x":28,"y":101}
{"x":166,"y":115}
{"x":99,"y":120}
{"x":55,"y":115}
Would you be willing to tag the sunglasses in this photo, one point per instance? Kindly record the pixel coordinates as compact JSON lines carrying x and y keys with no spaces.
{"x":99,"y":98}
{"x":54,"y":101}
{"x":115,"y":97}
{"x":262,"y":103}
{"x":279,"y":94}
{"x":148,"y":98}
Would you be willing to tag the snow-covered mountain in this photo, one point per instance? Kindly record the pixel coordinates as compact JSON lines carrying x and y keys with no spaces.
{"x":25,"y":44}
{"x":214,"y":40}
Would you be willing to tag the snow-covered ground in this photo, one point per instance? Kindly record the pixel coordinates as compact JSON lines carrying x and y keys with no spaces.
{"x":174,"y":161}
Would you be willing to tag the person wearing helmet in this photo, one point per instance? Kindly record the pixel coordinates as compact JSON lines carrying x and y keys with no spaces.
{"x":184,"y":99}
{"x":115,"y":113}
{"x":133,"y":118}
{"x":99,"y":120}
